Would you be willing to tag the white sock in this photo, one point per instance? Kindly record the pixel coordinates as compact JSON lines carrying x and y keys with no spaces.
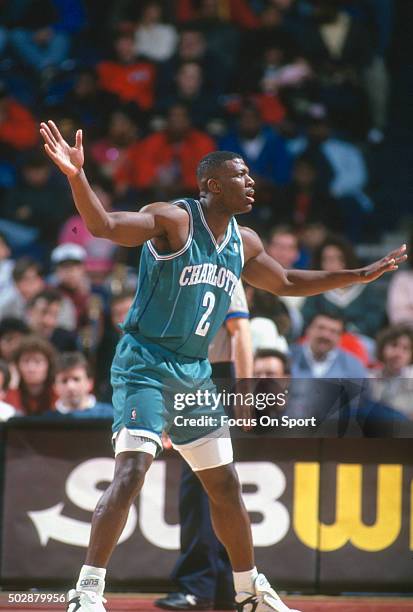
{"x":91,"y":579}
{"x":244,"y":581}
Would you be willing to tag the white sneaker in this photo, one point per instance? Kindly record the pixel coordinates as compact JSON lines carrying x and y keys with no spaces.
{"x":84,"y":601}
{"x":265,"y":598}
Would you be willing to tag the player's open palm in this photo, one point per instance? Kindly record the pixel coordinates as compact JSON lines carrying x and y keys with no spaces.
{"x":387,"y":264}
{"x":68,"y":159}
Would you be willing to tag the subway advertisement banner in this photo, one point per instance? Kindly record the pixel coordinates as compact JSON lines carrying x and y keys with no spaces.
{"x":327,"y":515}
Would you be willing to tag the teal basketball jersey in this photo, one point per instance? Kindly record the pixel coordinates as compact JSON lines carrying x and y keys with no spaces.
{"x":182,"y":298}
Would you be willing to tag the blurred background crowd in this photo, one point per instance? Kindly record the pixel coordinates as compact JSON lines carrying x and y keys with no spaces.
{"x":313,"y":94}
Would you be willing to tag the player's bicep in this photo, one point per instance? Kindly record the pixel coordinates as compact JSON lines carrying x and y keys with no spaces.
{"x":135,"y":228}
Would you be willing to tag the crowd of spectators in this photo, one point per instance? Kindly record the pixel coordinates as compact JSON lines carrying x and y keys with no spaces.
{"x":300,"y":88}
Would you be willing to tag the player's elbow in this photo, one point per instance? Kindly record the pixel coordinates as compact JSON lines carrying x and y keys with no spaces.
{"x":284,"y":286}
{"x":287,"y":288}
{"x":103,"y":229}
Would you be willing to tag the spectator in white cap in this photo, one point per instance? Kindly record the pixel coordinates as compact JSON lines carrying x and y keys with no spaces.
{"x":72,"y":280}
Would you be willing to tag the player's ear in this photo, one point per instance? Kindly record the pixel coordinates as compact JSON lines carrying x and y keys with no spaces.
{"x":214,"y":186}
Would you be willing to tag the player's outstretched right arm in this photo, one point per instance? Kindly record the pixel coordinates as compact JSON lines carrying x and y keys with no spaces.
{"x":156,"y":220}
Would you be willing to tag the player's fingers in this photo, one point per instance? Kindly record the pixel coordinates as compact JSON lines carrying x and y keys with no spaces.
{"x":55,"y":131}
{"x":47,"y":130}
{"x":398,"y":252}
{"x":48,"y":139}
{"x":79,"y":137}
{"x":51,"y":153}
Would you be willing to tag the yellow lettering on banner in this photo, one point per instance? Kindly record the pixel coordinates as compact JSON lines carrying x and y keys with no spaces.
{"x":411,"y":516}
{"x":305,"y":504}
{"x":348,"y":526}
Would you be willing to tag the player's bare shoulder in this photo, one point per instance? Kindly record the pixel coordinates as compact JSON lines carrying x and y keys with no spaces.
{"x":251,"y":242}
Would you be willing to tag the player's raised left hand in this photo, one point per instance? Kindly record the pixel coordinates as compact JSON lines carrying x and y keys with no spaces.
{"x":387,"y":264}
{"x":69,"y":159}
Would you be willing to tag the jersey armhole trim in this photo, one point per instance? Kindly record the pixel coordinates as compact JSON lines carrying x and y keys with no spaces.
{"x":187,"y":244}
{"x":240,"y":241}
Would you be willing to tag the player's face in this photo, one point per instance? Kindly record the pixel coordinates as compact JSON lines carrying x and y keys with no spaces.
{"x":73,"y":387}
{"x":237,"y":187}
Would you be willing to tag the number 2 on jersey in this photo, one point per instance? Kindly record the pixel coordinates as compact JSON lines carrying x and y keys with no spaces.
{"x":209,"y":303}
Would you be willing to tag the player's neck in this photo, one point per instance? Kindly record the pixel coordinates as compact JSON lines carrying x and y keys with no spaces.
{"x":217,"y":218}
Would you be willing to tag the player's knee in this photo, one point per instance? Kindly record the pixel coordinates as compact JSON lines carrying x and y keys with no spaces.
{"x":226,"y":488}
{"x":130,"y":473}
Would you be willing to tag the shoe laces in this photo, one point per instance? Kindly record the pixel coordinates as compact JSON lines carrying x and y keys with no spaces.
{"x":266,"y":594}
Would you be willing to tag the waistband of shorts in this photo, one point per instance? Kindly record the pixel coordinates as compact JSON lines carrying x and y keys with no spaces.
{"x":155,"y":347}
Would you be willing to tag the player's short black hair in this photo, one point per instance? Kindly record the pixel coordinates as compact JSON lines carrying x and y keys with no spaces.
{"x":213,"y":161}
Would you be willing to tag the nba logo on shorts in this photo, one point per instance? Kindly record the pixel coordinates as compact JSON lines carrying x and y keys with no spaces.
{"x":133,"y":415}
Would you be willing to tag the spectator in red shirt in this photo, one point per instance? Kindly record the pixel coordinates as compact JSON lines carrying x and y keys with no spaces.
{"x":35,"y":359}
{"x":166,"y":162}
{"x":237,"y":11}
{"x":130,"y":78}
{"x":18,"y":130}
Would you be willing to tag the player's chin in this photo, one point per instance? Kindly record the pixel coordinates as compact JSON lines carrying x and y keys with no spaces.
{"x":247,"y":205}
{"x":244,"y":210}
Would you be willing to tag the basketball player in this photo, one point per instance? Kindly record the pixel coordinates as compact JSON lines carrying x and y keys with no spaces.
{"x":203,"y":572}
{"x":192,"y":257}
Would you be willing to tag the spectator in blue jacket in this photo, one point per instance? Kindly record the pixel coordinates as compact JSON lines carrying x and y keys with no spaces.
{"x":263,"y":149}
{"x":266,"y":155}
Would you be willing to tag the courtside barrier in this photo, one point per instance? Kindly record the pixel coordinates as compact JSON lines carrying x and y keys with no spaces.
{"x":329,"y":515}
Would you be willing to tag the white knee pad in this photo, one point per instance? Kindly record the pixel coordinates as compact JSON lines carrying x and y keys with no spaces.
{"x":208,"y":452}
{"x":139,"y":440}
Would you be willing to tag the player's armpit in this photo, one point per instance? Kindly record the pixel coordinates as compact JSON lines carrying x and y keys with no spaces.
{"x":160,"y":220}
